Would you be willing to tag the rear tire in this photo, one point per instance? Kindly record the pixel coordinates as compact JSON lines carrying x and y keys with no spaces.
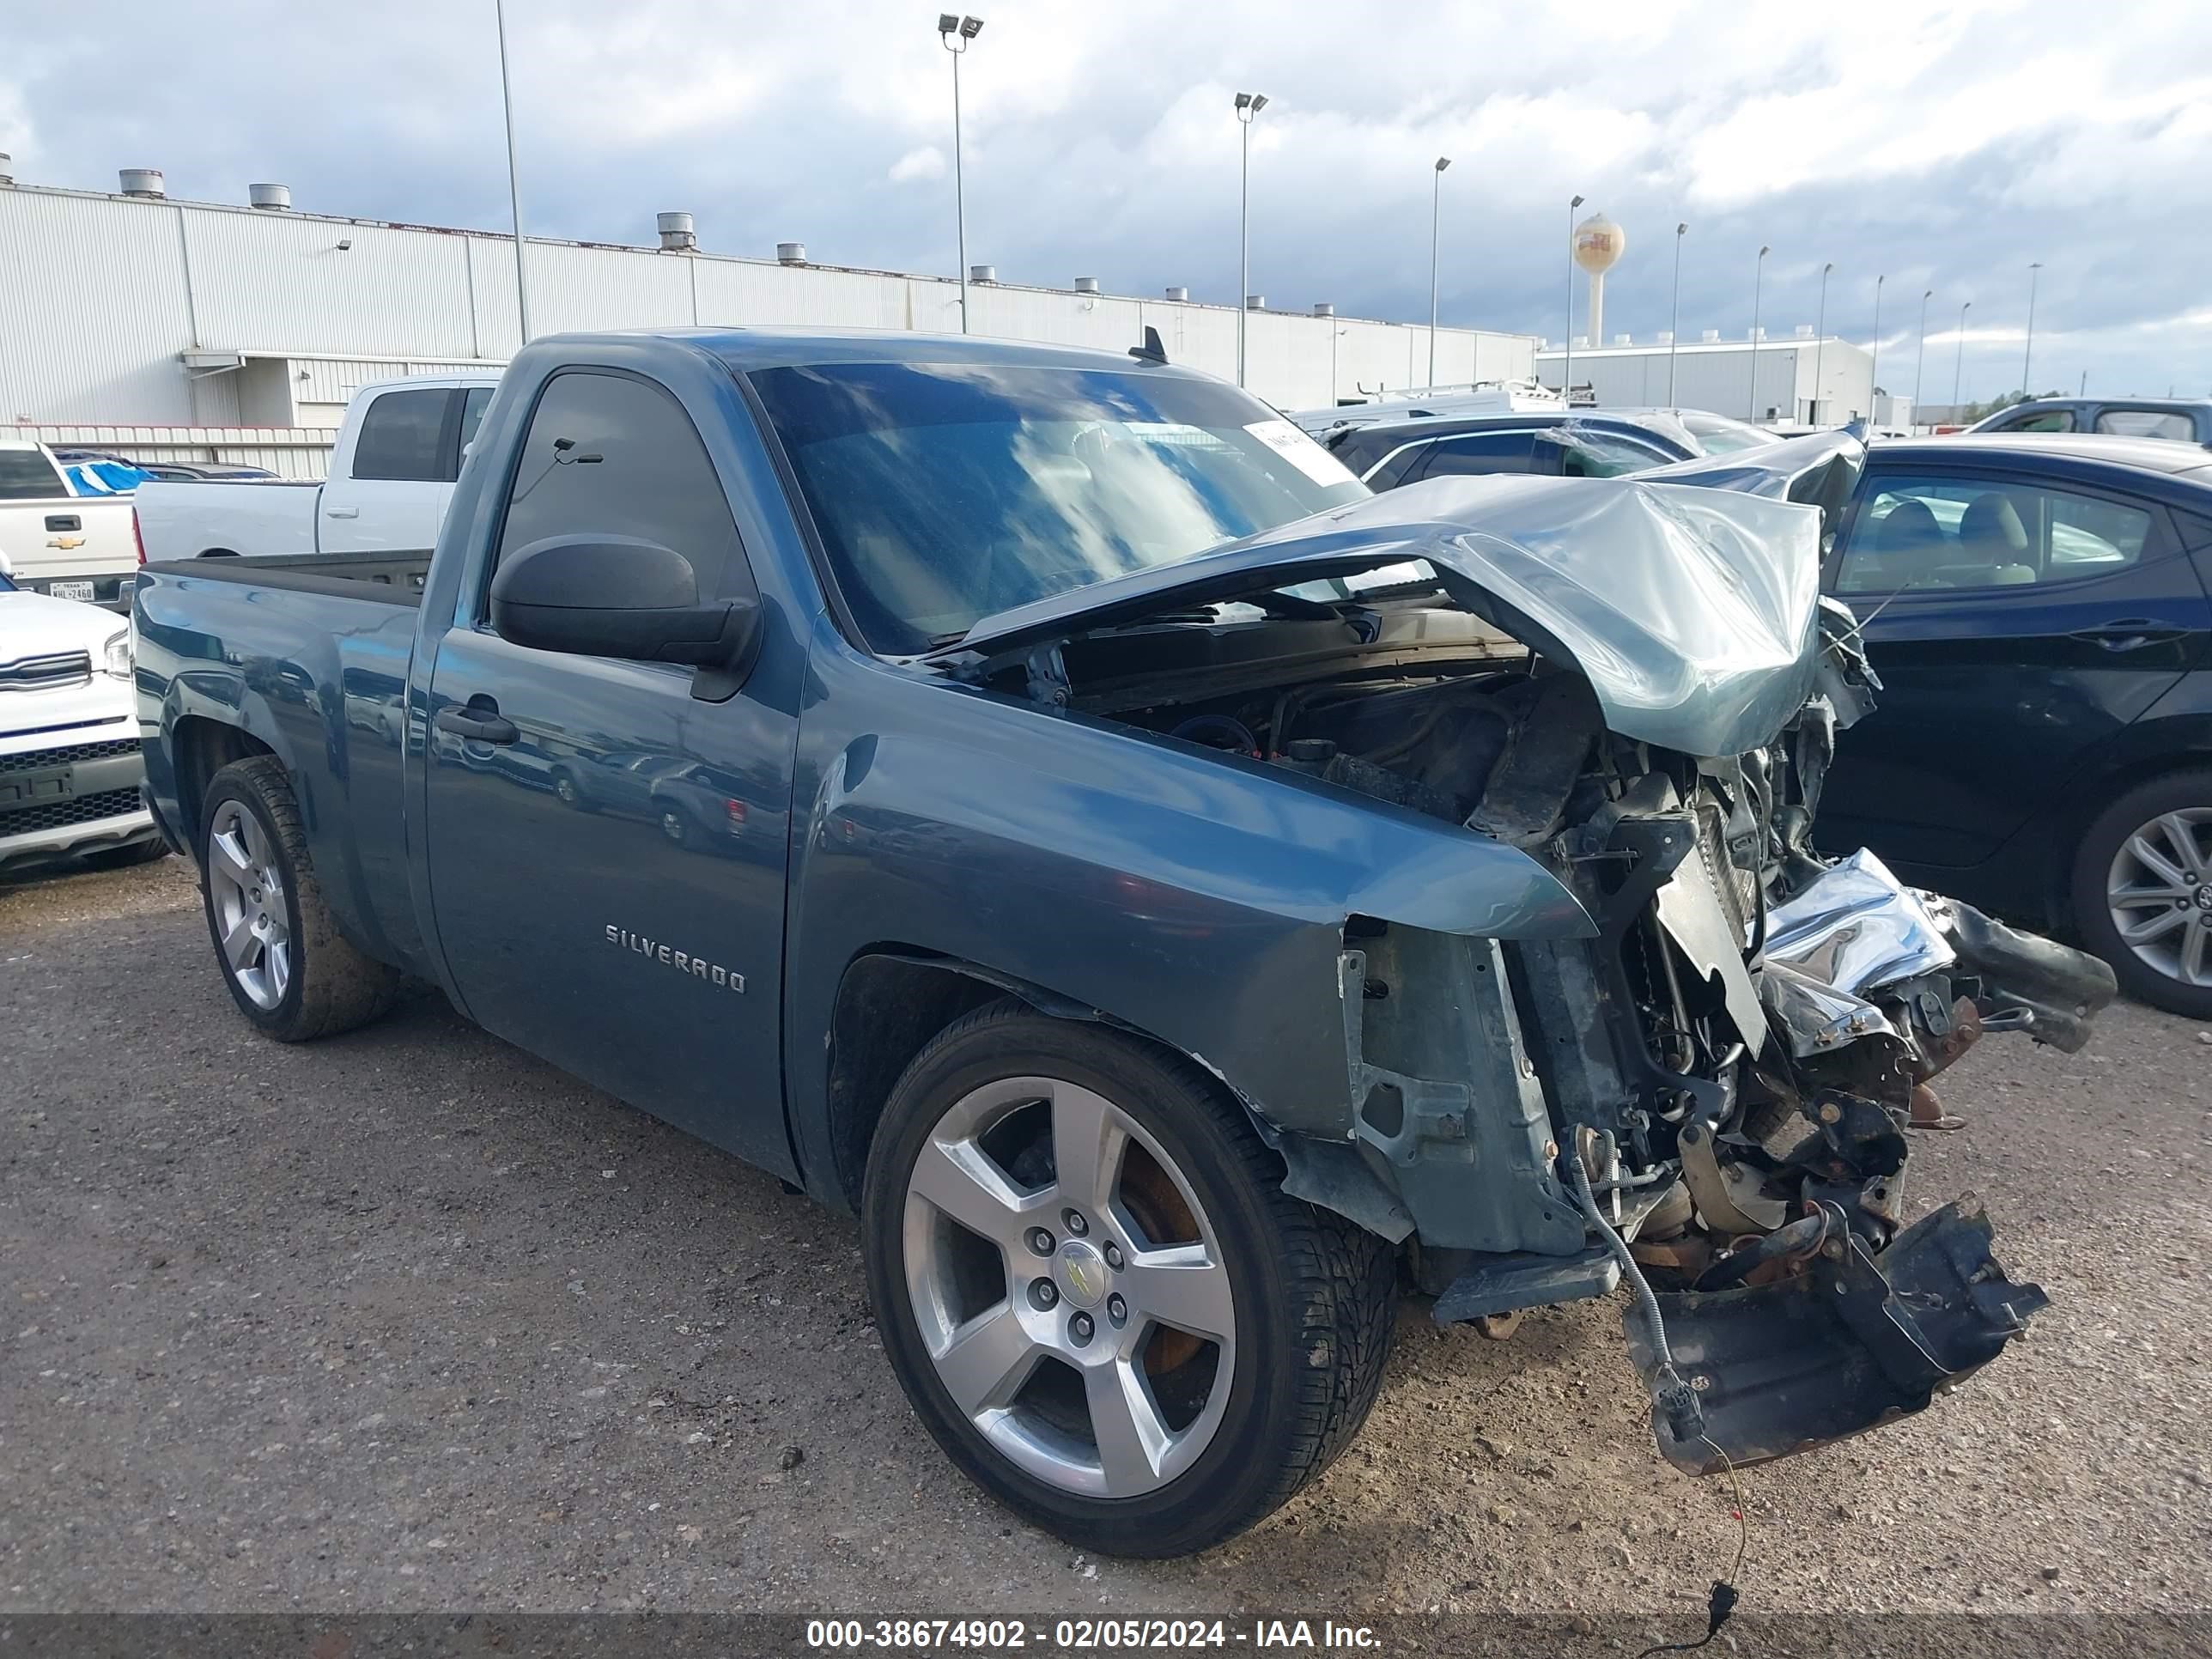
{"x":289,"y":969}
{"x":1099,"y":1419}
{"x":2148,"y":857}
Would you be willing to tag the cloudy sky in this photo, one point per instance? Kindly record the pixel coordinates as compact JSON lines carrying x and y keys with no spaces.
{"x":1945,"y":147}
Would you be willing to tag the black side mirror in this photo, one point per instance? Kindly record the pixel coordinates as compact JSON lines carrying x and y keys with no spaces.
{"x":619,"y":596}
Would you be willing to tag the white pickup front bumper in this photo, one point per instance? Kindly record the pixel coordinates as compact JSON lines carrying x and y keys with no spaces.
{"x":69,"y":783}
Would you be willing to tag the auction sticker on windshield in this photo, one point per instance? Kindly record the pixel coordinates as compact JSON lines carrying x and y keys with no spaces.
{"x":1301,"y":451}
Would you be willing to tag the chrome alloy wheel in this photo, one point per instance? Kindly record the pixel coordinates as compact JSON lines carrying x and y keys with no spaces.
{"x":2159,"y":894}
{"x":247,"y":892}
{"x":1070,"y":1289}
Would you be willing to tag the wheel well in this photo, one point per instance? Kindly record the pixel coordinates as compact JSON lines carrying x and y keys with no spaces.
{"x":201,"y":748}
{"x":888,"y":1009}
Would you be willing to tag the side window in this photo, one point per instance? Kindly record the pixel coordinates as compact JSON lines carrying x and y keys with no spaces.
{"x":1935,"y":532}
{"x":1480,"y":452}
{"x":2146,"y":423}
{"x":2051,"y":419}
{"x":609,"y":453}
{"x":399,"y":437}
{"x":473,"y":405}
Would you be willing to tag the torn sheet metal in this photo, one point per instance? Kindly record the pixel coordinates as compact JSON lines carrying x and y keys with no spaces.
{"x":1855,"y":929}
{"x":1819,"y":1017}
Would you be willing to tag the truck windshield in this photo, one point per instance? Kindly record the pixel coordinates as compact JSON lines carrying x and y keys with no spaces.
{"x":947,"y":492}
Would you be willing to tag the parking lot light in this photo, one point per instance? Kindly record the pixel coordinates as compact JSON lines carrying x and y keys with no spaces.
{"x":1248,"y":104}
{"x":1436,"y":223}
{"x":955,"y":34}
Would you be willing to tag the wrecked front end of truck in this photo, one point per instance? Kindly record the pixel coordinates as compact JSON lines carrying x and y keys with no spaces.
{"x":1707,"y":1093}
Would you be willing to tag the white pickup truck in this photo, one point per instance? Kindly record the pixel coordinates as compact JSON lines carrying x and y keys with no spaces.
{"x":69,"y":766}
{"x":72,"y":546}
{"x":391,"y":474}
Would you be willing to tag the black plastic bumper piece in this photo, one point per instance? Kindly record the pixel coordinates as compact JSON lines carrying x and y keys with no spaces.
{"x":1503,"y":1283}
{"x":1854,"y":1342}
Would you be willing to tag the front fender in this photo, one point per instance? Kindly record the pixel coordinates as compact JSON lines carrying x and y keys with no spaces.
{"x":1197,"y":898}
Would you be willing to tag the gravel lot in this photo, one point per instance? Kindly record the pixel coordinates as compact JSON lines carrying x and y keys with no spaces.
{"x":405,"y":1320}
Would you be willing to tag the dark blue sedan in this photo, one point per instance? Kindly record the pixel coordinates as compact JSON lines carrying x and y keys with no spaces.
{"x":2037,"y":608}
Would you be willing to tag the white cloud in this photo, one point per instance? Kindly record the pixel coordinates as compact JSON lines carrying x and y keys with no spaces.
{"x":1944,"y":145}
{"x":926,"y":162}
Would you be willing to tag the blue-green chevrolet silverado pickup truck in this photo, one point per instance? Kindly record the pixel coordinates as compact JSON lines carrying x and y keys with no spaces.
{"x":1037,"y":799}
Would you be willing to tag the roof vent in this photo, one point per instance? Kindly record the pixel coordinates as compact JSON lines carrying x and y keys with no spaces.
{"x":1623,"y":339}
{"x":7,"y":171}
{"x":1709,"y":335}
{"x":1086,"y":285}
{"x":142,"y":181}
{"x":982,"y":273}
{"x":791,"y":253}
{"x":276,"y":198}
{"x":676,"y":233}
{"x":1255,"y":302}
{"x":1182,"y":294}
{"x":1804,"y":331}
{"x":1664,"y":336}
{"x":1758,"y":333}
{"x":1323,"y":308}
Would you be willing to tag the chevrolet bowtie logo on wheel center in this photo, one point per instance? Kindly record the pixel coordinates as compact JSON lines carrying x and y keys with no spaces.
{"x":1082,"y":1274}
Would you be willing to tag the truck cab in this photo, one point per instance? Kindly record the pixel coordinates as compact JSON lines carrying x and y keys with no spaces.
{"x":392,"y":471}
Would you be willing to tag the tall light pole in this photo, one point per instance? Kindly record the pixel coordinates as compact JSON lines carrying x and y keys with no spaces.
{"x":1758,"y":275}
{"x":1567,"y":374}
{"x":1819,"y":341}
{"x":1675,"y":312}
{"x":1920,"y":356}
{"x":514,"y":186}
{"x":1436,"y":226}
{"x":2027,"y":352}
{"x":954,"y":34}
{"x":1248,"y":104}
{"x":1958,"y":364}
{"x":1874,"y":369}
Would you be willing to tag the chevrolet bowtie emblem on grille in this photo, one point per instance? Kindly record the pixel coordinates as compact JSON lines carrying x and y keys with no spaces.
{"x":682,"y":962}
{"x":65,"y":543}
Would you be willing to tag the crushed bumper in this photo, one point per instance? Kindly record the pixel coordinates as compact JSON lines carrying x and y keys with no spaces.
{"x":1857,"y":1340}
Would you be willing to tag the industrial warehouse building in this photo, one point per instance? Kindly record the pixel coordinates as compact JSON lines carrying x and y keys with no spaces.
{"x":1716,"y":375}
{"x":203,"y":331}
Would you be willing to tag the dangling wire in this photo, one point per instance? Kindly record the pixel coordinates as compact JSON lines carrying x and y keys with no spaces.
{"x":1720,"y":1602}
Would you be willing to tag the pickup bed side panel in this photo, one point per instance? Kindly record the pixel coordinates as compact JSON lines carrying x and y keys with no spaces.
{"x":317,"y":677}
{"x":180,"y":519}
{"x":1198,"y":900}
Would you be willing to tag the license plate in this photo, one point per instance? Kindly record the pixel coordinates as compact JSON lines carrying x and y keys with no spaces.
{"x":70,"y":590}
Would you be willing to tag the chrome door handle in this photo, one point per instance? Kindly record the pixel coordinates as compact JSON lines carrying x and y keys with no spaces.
{"x":341,"y":513}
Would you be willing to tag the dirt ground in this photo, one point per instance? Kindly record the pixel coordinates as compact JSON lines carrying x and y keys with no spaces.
{"x":406,"y":1321}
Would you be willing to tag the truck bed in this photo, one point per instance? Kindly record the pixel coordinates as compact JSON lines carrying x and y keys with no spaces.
{"x":391,"y":578}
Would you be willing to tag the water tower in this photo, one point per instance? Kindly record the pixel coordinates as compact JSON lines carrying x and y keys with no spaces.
{"x":1598,"y":243}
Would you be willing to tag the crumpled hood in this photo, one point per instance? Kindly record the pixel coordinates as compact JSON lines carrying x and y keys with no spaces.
{"x":1691,"y":611}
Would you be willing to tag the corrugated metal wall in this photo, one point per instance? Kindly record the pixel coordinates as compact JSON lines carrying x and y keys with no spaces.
{"x":102,"y":293}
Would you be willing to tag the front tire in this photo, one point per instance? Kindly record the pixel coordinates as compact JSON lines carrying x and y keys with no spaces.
{"x":289,"y":969}
{"x":1096,"y":1295}
{"x":2142,"y":891}
{"x":126,"y":858}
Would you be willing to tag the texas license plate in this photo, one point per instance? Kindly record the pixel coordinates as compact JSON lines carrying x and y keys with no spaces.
{"x":70,"y":590}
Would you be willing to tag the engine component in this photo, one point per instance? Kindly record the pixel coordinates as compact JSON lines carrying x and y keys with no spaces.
{"x":1219,"y":732}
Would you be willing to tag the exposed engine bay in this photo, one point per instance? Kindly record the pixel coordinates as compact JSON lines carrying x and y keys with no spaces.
{"x":1709,"y":1097}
